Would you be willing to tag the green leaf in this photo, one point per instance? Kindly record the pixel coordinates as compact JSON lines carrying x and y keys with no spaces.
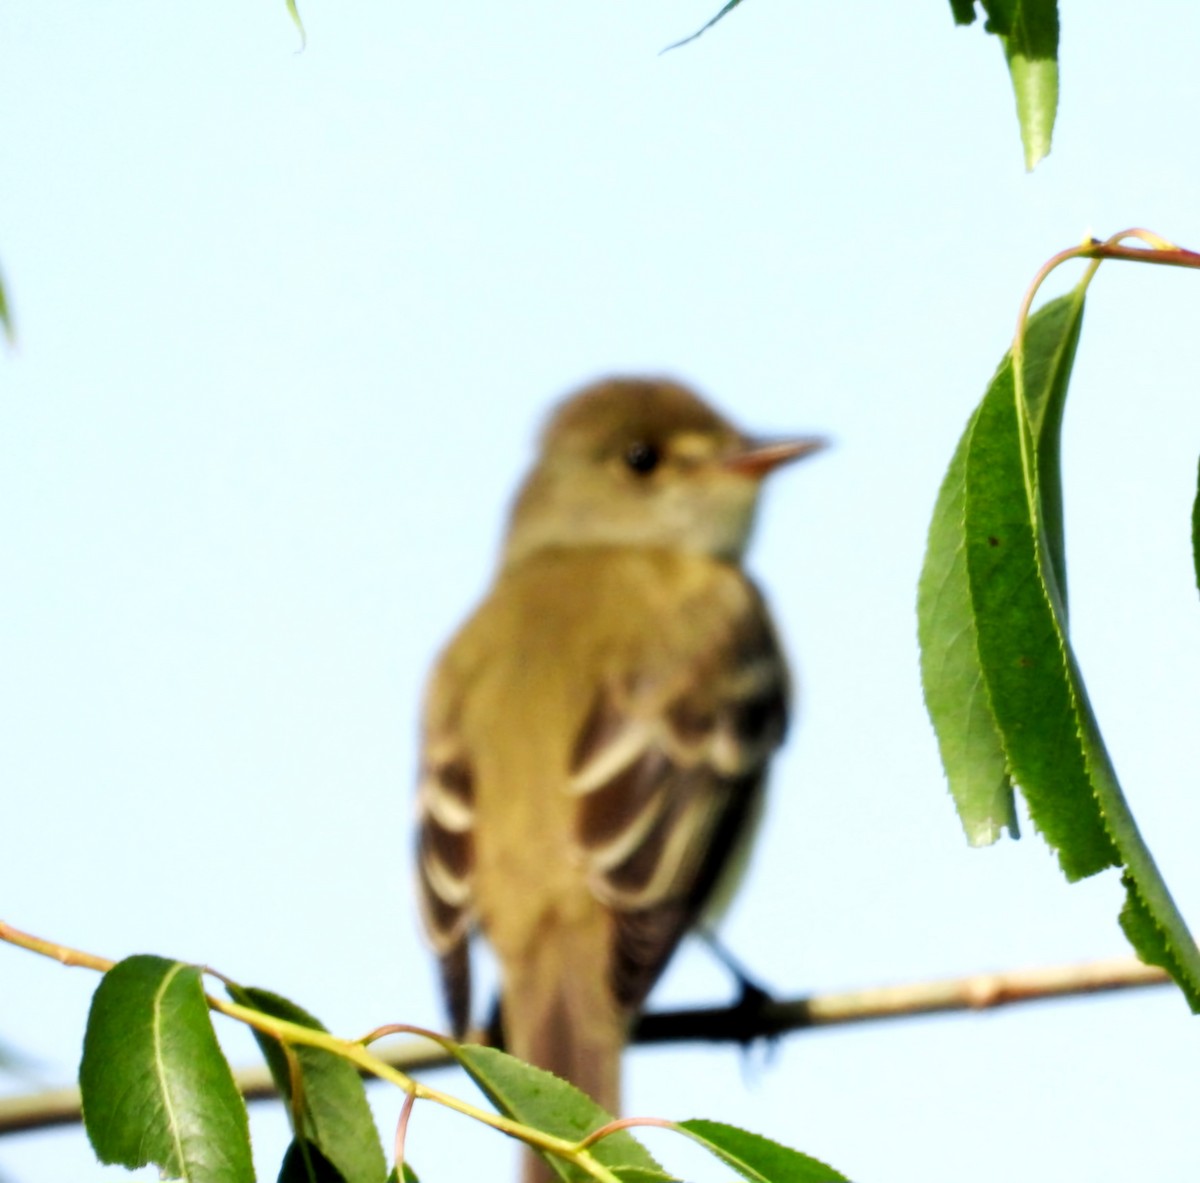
{"x":757,"y":1158}
{"x":155,"y":1086}
{"x":956,"y":691}
{"x":1005,"y":481}
{"x":546,"y":1102}
{"x":1150,"y":918}
{"x":410,"y":1176}
{"x":1035,"y":86}
{"x":704,"y":28}
{"x":1028,"y":31}
{"x":1022,"y":650}
{"x":1030,"y":38}
{"x":327,"y":1098}
{"x":1196,"y":531}
{"x":951,"y":676}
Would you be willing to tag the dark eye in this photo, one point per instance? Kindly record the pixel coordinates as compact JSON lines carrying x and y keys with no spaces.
{"x":642,"y":457}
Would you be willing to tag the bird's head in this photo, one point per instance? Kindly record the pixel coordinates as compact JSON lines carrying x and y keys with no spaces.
{"x":644,"y":462}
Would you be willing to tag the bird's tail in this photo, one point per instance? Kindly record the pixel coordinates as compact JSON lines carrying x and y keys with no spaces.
{"x":559,"y":1014}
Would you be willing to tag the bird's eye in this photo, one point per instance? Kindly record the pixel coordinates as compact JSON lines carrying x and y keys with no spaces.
{"x":642,"y":457}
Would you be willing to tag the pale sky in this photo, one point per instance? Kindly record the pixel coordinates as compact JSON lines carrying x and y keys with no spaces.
{"x":287,"y":323}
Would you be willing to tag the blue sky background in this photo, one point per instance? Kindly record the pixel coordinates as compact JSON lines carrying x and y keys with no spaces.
{"x":287,"y":323}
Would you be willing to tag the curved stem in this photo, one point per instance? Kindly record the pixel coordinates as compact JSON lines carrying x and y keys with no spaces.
{"x":1157,"y":250}
{"x":625,"y":1123}
{"x":1160,"y":251}
{"x":288,"y":1032}
{"x":405,"y":1029}
{"x":401,"y":1133}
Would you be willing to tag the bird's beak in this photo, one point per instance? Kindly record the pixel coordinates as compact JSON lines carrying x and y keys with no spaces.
{"x":757,"y":457}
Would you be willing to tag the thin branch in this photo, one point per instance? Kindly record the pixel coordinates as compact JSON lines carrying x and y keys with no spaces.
{"x":742,"y":1023}
{"x":745,"y":1023}
{"x":64,"y":954}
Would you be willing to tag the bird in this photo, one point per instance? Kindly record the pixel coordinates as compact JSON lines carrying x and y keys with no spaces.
{"x":596,"y":736}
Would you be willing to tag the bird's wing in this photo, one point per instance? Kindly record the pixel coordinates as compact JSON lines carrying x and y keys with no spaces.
{"x":668,"y":779}
{"x":445,"y":859}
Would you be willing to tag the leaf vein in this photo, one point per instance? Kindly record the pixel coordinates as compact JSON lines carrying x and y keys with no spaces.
{"x":161,"y":1068}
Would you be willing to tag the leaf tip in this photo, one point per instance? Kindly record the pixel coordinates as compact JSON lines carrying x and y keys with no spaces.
{"x":987,"y":831}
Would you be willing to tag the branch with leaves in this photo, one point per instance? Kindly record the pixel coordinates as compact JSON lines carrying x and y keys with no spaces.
{"x":156,"y":1088}
{"x":741,"y":1024}
{"x":1003,"y":686}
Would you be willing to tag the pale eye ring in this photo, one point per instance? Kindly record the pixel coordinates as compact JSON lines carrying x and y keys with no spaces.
{"x":642,"y":457}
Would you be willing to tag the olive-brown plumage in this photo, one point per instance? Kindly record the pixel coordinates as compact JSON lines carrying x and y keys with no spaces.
{"x":597,"y":734}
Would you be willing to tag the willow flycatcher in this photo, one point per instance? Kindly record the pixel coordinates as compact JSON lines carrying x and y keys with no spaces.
{"x":596,"y":736}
